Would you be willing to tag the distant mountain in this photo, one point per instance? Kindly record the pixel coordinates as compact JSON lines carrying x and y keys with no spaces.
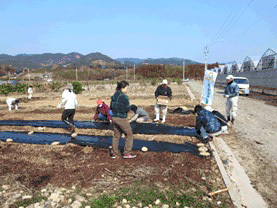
{"x":130,"y":60}
{"x":49,"y":59}
{"x":172,"y":61}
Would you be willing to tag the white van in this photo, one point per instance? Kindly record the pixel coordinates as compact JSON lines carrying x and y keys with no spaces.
{"x":243,"y":84}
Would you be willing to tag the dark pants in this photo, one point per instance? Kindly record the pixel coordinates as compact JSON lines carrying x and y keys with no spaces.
{"x":68,"y":116}
{"x":120,"y":126}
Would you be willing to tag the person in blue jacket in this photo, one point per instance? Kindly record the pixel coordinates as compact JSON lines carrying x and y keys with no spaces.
{"x":232,"y":94}
{"x":207,"y":125}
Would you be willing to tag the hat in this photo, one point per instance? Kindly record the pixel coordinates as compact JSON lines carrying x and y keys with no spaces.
{"x":164,"y":82}
{"x":69,"y":86}
{"x":208,"y":108}
{"x":230,"y":76}
{"x":99,"y":102}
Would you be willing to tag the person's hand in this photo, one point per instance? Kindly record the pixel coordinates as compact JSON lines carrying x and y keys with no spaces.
{"x":227,"y":96}
{"x":111,"y":121}
{"x":59,"y":106}
{"x":92,"y":120}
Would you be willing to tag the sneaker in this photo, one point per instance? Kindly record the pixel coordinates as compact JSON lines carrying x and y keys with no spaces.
{"x":163,"y":121}
{"x":156,"y":120}
{"x":129,"y":156}
{"x":113,"y":156}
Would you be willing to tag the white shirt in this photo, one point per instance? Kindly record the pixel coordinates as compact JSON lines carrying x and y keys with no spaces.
{"x":10,"y":101}
{"x":69,"y":100}
{"x":30,"y":90}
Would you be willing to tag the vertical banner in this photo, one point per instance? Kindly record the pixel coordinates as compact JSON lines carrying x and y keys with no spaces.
{"x":208,"y":88}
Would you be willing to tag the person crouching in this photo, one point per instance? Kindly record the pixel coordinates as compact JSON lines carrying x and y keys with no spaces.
{"x":102,"y":112}
{"x":12,"y":102}
{"x":141,"y":116}
{"x":69,"y":100}
{"x":207,"y":125}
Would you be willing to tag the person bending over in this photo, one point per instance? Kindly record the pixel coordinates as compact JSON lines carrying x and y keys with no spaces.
{"x":103,"y":112}
{"x":207,"y":124}
{"x":141,"y":116}
{"x":12,"y":102}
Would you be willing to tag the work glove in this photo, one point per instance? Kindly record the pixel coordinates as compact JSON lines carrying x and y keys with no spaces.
{"x":92,"y":120}
{"x":59,"y":106}
{"x":111,"y":121}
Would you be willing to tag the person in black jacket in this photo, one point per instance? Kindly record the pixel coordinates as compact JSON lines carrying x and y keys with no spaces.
{"x":162,"y":92}
{"x":221,"y":118}
{"x":120,"y":107}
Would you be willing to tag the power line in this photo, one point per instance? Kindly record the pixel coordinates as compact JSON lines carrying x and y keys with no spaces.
{"x":218,"y":32}
{"x":231,"y":25}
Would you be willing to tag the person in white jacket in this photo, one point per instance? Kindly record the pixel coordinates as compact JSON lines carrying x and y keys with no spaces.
{"x":12,"y":102}
{"x":69,"y":100}
{"x":30,"y":92}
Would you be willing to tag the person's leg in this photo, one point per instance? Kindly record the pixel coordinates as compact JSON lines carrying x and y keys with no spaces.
{"x":164,"y":111}
{"x":234,"y":108}
{"x":203,"y":132}
{"x":65,"y":116}
{"x":102,"y":117}
{"x":125,"y":127}
{"x":157,"y":111}
{"x":16,"y":106}
{"x":228,"y":108}
{"x":70,"y":120}
{"x":116,"y":137}
{"x":142,"y":119}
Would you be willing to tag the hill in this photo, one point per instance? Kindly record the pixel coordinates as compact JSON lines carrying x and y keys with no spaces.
{"x":169,"y":61}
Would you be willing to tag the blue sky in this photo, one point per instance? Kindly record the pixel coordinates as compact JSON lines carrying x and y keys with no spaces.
{"x":140,"y":28}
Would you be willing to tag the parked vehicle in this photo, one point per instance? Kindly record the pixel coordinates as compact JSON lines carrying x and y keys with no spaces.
{"x":243,"y":84}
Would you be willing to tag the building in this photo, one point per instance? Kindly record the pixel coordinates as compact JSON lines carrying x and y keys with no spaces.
{"x":268,"y":60}
{"x":249,"y":64}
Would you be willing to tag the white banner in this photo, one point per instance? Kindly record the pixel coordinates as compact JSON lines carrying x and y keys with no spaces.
{"x":208,"y":88}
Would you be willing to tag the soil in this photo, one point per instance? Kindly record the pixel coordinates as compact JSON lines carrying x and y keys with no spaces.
{"x":268,"y":99}
{"x":36,"y":166}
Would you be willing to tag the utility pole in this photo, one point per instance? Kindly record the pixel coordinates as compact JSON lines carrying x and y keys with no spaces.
{"x":76,"y":72}
{"x":29,"y":75}
{"x":134,"y":71}
{"x":206,"y":51}
{"x":183,"y":70}
{"x":126,"y":73}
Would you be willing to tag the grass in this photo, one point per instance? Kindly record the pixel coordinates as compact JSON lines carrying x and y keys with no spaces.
{"x":26,"y":202}
{"x":148,"y":195}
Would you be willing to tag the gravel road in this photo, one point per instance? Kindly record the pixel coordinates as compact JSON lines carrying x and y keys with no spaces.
{"x":253,"y":140}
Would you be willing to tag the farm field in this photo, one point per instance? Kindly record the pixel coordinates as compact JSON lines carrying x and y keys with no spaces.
{"x":73,"y":176}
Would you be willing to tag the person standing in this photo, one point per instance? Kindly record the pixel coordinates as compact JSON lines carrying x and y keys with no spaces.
{"x":69,"y":100}
{"x":12,"y":102}
{"x":232,"y":94}
{"x":120,"y":106}
{"x":102,"y":112}
{"x":30,"y":92}
{"x":141,"y":116}
{"x":163,"y":94}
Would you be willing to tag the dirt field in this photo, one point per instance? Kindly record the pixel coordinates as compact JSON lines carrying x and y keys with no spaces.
{"x":253,"y":139}
{"x":37,"y":166}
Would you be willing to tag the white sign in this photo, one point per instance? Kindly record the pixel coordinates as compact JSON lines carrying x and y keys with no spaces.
{"x":208,"y":88}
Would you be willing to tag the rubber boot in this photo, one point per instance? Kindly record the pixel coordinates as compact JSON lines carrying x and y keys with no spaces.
{"x":163,"y":121}
{"x":157,"y":117}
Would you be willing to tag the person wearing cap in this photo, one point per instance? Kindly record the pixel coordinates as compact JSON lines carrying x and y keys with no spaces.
{"x":141,"y":116}
{"x":207,"y":125}
{"x":103,"y":112}
{"x":12,"y":102}
{"x":163,"y":94}
{"x":221,"y":118}
{"x":69,"y":100}
{"x":232,"y":94}
{"x":30,"y":92}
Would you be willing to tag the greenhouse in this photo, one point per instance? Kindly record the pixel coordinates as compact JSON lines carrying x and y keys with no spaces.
{"x":268,"y":60}
{"x":249,"y":64}
{"x":235,"y":67}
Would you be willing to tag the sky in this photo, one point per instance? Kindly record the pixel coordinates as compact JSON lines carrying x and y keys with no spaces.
{"x":232,"y":29}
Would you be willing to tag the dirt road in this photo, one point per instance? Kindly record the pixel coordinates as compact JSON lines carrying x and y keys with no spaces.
{"x":253,"y":140}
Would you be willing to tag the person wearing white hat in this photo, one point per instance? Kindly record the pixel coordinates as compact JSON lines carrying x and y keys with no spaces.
{"x":163,"y":94}
{"x":30,"y":92}
{"x":69,"y":101}
{"x":232,"y":94}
